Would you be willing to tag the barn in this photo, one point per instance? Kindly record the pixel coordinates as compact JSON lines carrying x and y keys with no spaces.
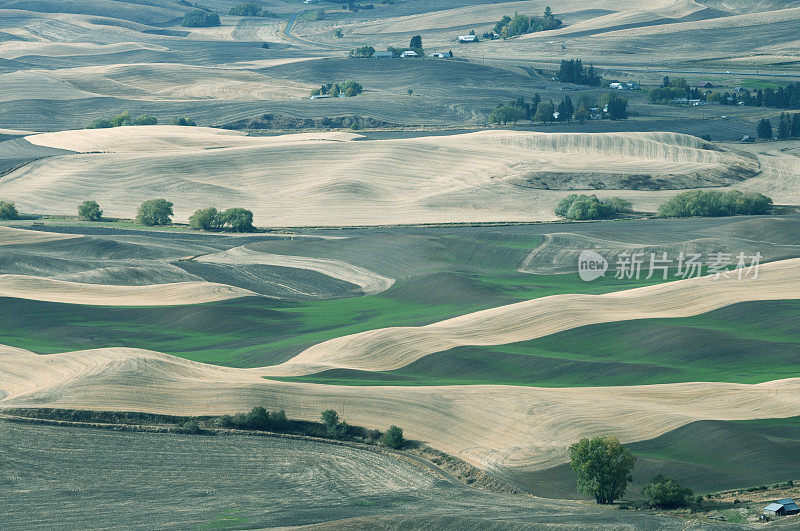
{"x":782,"y":508}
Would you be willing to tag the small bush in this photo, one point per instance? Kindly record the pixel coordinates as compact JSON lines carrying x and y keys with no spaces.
{"x":393,"y":438}
{"x":190,"y":426}
{"x":8,"y":211}
{"x":99,"y":123}
{"x":184,"y":121}
{"x":665,"y":493}
{"x":90,"y":211}
{"x":154,"y":212}
{"x":200,"y":19}
{"x":206,"y":219}
{"x":715,"y":203}
{"x":145,"y":119}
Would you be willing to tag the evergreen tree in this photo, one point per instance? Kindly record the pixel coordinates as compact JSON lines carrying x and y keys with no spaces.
{"x":764,"y":129}
{"x":796,"y":125}
{"x":784,"y":126}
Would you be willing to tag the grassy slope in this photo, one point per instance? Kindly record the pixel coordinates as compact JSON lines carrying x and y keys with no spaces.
{"x":706,"y":456}
{"x":747,"y":343}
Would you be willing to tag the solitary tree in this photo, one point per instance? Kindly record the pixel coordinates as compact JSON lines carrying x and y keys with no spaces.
{"x":90,"y":211}
{"x":206,"y":219}
{"x":416,"y":42}
{"x":8,"y":211}
{"x":154,"y":212}
{"x":764,"y":129}
{"x":393,"y":438}
{"x":603,"y":467}
{"x":238,"y":219}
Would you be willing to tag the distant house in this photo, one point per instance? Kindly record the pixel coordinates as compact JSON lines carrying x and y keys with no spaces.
{"x":680,"y":101}
{"x":706,"y":85}
{"x":383,"y":55}
{"x":467,"y":38}
{"x":632,"y":85}
{"x":409,"y":53}
{"x":696,"y":103}
{"x":616,"y":86}
{"x":441,"y":55}
{"x":782,"y":508}
{"x":319,"y":96}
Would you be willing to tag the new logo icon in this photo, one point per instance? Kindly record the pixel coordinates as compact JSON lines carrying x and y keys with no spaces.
{"x":591,"y":265}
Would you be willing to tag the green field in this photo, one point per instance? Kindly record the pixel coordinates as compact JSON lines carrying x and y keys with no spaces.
{"x":745,"y":343}
{"x":252,"y":332}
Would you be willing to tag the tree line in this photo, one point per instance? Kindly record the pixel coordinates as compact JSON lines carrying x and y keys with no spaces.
{"x":125,"y":119}
{"x":611,"y":106}
{"x":788,"y":127}
{"x":573,"y":71}
{"x":787,"y":97}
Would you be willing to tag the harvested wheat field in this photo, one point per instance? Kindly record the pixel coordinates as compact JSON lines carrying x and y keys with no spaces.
{"x":486,"y":176}
{"x":42,"y":289}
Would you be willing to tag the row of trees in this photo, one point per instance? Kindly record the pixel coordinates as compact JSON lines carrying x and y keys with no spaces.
{"x":694,"y":203}
{"x":788,"y":127}
{"x":521,"y":24}
{"x":583,"y":207}
{"x":604,"y":468}
{"x":675,"y":88}
{"x":125,"y":119}
{"x":259,"y":419}
{"x":613,"y":106}
{"x":787,"y":97}
{"x":349,"y":88}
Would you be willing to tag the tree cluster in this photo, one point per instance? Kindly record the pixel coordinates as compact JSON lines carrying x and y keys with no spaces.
{"x":582,"y":207}
{"x":250,"y":9}
{"x":520,"y":24}
{"x":363,"y":51}
{"x":349,"y":89}
{"x":233,"y":219}
{"x":712,"y":203}
{"x":788,"y":126}
{"x":200,"y":19}
{"x":573,"y":71}
{"x":122,"y":119}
